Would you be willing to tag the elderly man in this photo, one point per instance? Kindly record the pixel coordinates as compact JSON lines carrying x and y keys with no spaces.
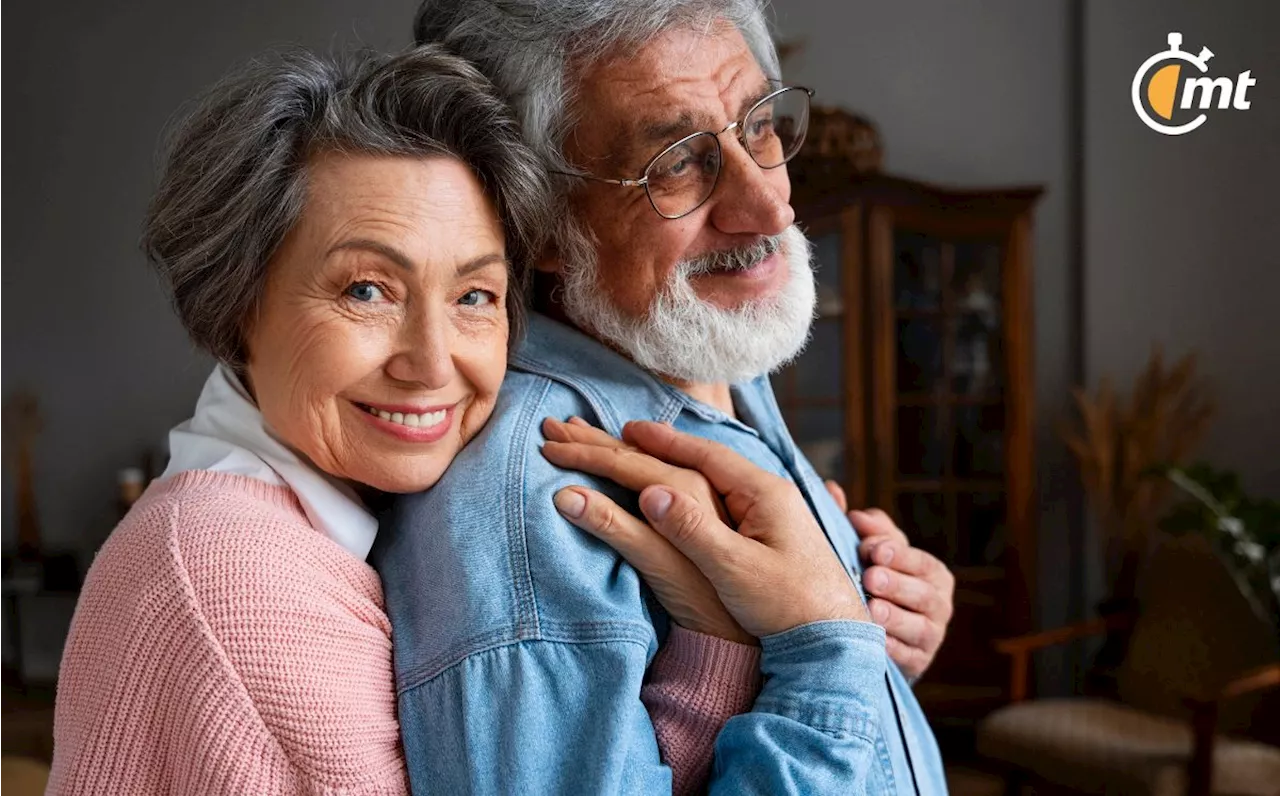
{"x":678,"y":284}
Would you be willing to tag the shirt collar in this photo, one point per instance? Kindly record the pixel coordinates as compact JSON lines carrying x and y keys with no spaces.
{"x":228,"y":434}
{"x":616,"y":388}
{"x":619,"y":390}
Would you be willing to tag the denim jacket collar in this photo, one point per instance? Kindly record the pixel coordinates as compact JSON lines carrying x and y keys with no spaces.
{"x":618,"y":390}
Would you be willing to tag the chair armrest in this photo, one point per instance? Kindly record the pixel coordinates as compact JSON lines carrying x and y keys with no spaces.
{"x":1061,"y":635}
{"x":1204,"y":722}
{"x":1019,"y":648}
{"x":1258,"y":679}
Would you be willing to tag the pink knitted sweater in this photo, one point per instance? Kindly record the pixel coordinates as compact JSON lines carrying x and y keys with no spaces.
{"x":222,"y":645}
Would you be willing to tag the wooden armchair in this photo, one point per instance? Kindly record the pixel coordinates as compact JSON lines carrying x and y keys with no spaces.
{"x":1192,"y":710}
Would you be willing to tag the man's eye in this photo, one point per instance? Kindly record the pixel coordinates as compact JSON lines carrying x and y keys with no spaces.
{"x":477,"y":298}
{"x":365,"y":292}
{"x":760,"y":127}
{"x":677,"y":163}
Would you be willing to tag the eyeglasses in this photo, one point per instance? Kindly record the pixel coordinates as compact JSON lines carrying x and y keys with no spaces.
{"x":682,"y":177}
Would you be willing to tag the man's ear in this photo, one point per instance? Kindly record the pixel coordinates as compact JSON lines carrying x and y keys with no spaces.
{"x":549,"y":261}
{"x":545,"y":293}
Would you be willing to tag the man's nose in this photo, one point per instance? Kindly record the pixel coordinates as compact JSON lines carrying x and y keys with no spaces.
{"x":749,"y":199}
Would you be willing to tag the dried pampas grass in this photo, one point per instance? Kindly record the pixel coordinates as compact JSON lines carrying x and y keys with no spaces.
{"x":1117,"y":443}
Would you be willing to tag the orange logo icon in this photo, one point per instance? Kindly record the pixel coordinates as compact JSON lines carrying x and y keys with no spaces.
{"x":1165,"y":100}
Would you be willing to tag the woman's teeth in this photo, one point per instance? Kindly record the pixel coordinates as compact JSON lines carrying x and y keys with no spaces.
{"x":426,"y":420}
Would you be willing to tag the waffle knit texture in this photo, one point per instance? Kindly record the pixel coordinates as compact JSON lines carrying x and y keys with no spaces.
{"x":222,"y":645}
{"x":689,"y":709}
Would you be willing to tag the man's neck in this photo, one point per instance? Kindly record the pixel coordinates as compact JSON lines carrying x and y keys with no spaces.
{"x":716,"y":395}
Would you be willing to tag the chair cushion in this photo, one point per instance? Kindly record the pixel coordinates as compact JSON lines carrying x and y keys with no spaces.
{"x":1104,"y":747}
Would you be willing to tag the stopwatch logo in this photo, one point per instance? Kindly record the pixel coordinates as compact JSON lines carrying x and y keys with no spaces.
{"x":1160,"y":91}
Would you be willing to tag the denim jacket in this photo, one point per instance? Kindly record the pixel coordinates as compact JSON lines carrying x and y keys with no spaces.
{"x":521,"y":642}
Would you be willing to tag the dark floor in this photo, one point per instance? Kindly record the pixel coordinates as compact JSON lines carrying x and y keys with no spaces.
{"x":27,"y":726}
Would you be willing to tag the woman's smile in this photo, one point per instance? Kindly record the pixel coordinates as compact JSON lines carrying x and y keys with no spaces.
{"x":409,"y":423}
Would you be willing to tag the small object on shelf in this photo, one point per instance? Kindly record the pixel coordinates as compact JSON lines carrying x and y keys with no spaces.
{"x":22,"y":420}
{"x":824,"y":455}
{"x":132,"y":482}
{"x":840,"y":136}
{"x":829,"y":303}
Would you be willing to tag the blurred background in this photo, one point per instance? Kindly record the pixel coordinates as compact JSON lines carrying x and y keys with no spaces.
{"x":994,"y":226}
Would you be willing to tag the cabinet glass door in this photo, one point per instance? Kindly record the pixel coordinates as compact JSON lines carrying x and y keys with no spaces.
{"x":948,"y":418}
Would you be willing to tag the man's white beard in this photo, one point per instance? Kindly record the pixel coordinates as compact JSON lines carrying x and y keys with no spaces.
{"x":690,"y":340}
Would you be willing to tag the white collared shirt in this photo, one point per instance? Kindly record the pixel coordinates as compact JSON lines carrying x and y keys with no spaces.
{"x":227,"y":434}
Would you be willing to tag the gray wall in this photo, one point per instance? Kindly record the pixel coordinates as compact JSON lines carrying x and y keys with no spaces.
{"x":1180,"y":244}
{"x":88,"y":88}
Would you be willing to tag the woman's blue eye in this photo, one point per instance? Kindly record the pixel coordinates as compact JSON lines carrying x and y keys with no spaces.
{"x":476,"y":298}
{"x":364,"y":292}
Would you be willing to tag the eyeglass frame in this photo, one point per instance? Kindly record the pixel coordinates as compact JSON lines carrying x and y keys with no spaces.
{"x":643,"y":181}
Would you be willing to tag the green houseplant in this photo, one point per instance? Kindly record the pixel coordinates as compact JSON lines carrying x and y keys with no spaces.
{"x":1243,"y":530}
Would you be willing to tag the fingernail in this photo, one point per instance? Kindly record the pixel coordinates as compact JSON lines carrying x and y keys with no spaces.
{"x":577,"y":421}
{"x":885,"y":554}
{"x":879,"y":611}
{"x":551,"y":430}
{"x":655,"y":503}
{"x":879,"y":581}
{"x":570,"y":503}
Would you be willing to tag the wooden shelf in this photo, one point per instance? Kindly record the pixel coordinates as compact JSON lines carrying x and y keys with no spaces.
{"x":978,"y":574}
{"x":962,"y":696}
{"x":912,"y":399}
{"x":916,"y":312}
{"x":976,"y":599}
{"x":947,"y":399}
{"x":909,"y":484}
{"x":817,"y":402}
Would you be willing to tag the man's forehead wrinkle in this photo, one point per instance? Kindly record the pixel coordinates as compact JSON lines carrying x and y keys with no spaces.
{"x":671,"y":117}
{"x":681,"y":85}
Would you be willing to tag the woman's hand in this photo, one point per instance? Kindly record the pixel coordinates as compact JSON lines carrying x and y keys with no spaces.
{"x":682,"y":589}
{"x":776,"y":572}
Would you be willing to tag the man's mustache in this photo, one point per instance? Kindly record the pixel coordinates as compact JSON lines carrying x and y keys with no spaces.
{"x":740,"y":259}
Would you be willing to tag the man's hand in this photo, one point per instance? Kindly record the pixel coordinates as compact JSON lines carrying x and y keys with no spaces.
{"x":911,"y":591}
{"x":775,"y":572}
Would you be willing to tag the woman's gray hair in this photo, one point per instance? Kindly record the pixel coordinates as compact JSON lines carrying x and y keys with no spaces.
{"x":536,"y":50}
{"x":235,"y":177}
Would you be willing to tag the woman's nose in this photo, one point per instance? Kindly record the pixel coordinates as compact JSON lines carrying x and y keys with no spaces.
{"x":423,"y":352}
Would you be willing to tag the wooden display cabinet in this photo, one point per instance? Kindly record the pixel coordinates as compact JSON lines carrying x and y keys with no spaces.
{"x":915,"y":393}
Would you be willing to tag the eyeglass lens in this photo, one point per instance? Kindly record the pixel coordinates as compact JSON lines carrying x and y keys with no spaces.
{"x":684,"y":175}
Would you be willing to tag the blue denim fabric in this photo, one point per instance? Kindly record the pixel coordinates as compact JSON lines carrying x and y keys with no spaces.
{"x":521,"y":642}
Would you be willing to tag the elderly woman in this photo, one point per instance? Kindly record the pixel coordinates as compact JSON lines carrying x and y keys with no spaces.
{"x":349,"y":239}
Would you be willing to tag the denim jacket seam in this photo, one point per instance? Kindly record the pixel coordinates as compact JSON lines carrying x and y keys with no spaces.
{"x":822,"y":632}
{"x":827,"y":716}
{"x":524,"y":592}
{"x":596,"y":633}
{"x":664,"y":410}
{"x":886,"y":762}
{"x":601,"y":405}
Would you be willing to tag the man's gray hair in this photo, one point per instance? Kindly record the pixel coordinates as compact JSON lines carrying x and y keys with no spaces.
{"x":235,"y":177}
{"x":536,"y":50}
